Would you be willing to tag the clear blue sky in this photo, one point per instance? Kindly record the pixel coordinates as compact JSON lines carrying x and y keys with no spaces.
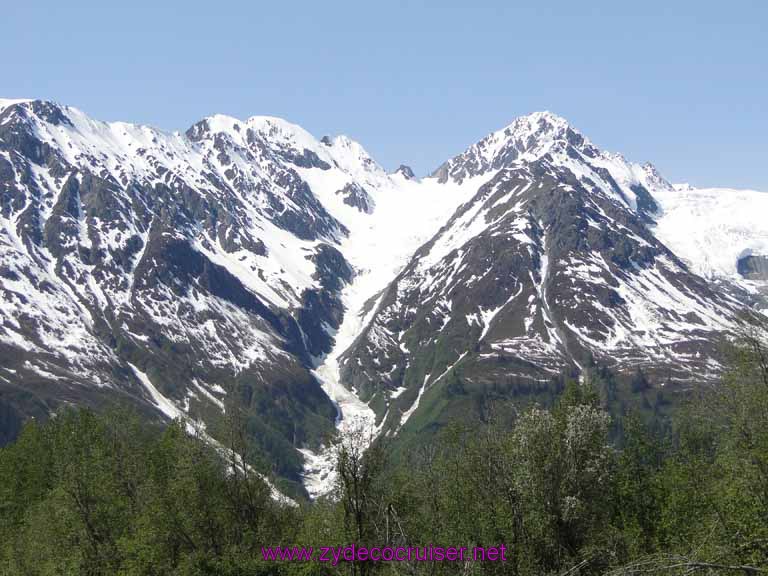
{"x":682,"y":84}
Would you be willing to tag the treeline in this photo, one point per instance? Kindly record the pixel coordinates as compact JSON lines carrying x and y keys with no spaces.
{"x":107,"y":494}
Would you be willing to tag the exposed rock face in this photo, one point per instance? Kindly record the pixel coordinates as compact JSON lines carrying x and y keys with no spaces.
{"x":355,"y":195}
{"x":405,"y":172}
{"x":753,"y":267}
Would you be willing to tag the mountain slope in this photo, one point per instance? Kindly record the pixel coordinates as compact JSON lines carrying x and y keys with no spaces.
{"x":202,"y":259}
{"x":245,"y":266}
{"x":552,"y":265}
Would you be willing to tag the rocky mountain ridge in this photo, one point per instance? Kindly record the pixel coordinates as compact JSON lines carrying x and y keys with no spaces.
{"x":246,"y":266}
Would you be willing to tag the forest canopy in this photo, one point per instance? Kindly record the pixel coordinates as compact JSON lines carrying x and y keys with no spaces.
{"x":88,"y":493}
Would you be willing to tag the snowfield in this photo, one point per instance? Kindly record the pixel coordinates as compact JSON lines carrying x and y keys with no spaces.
{"x":712,"y":228}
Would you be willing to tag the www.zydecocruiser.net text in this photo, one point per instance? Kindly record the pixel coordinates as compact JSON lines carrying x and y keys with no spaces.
{"x":353,"y":553}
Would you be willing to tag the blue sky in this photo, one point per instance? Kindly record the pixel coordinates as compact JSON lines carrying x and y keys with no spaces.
{"x":682,"y":84}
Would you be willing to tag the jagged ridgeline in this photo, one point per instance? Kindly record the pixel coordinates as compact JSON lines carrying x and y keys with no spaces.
{"x":247,"y":267}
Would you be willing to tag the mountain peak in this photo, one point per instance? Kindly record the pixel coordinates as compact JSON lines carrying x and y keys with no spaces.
{"x":405,"y":171}
{"x":542,"y":122}
{"x":527,"y":137}
{"x":277,"y":125}
{"x":352,"y":157}
{"x":273,"y":129}
{"x":534,"y":134}
{"x":6,"y":102}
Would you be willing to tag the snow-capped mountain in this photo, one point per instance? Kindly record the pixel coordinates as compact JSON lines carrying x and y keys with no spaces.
{"x":247,"y":264}
{"x":176,"y":270}
{"x":553,"y":264}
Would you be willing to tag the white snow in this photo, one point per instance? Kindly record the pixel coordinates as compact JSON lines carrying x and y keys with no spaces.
{"x":711,"y":228}
{"x":397,"y":392}
{"x":378,"y":247}
{"x":163,"y":404}
{"x":488,"y":315}
{"x":408,"y":413}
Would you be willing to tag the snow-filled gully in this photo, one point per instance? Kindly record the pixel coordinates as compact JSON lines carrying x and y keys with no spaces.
{"x":377,"y":248}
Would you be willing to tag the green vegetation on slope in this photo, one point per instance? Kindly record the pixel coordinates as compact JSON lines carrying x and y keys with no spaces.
{"x":106,"y":494}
